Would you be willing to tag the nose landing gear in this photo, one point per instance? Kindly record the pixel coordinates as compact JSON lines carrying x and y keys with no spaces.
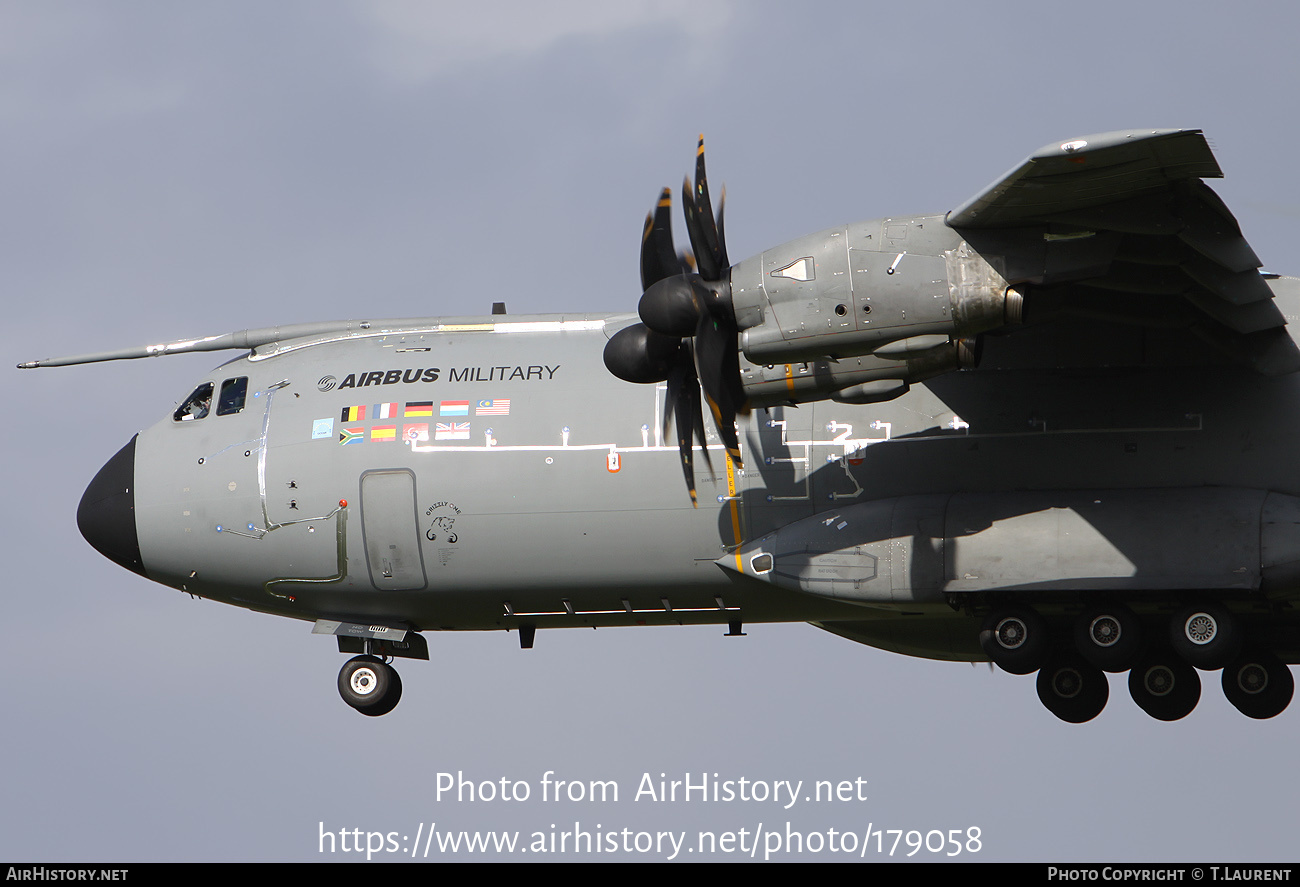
{"x":370,"y":685}
{"x":367,"y":682}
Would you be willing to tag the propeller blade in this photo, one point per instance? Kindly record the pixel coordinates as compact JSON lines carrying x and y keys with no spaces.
{"x":718,"y":367}
{"x":705,"y":256}
{"x":658,"y":255}
{"x":705,"y":232}
{"x":722,"y":237}
{"x":683,"y":404}
{"x":704,"y":211}
{"x":687,"y":296}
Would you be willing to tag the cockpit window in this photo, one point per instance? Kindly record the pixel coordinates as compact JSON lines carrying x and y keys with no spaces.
{"x":196,"y":405}
{"x":233,"y":392}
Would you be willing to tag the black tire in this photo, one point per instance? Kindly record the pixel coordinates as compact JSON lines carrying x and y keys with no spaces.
{"x":1164,"y":686}
{"x":393,"y":697}
{"x":1258,"y":684}
{"x":370,"y":686}
{"x":1206,"y":634}
{"x":1015,"y":639}
{"x":1109,"y":636}
{"x":1073,"y":689}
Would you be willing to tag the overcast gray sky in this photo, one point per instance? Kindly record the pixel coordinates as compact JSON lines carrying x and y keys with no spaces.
{"x":173,"y":170}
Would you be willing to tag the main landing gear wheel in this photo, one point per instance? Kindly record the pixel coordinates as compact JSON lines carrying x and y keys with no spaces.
{"x":370,"y":686}
{"x":1164,"y":686}
{"x":1015,"y":638}
{"x":1258,"y":684}
{"x":1109,"y":637}
{"x":1206,"y":635}
{"x":1072,"y":689}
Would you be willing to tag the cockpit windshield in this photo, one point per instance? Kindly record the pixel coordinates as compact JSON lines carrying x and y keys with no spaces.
{"x":233,"y":393}
{"x":196,"y":406}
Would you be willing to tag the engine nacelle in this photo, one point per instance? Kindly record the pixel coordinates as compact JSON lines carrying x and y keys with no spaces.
{"x":855,"y":290}
{"x":872,"y":378}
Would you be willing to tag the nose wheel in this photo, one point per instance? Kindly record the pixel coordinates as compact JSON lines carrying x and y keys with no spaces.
{"x":370,"y":685}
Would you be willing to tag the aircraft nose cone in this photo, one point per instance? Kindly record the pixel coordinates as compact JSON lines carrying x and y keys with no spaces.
{"x":106,"y":515}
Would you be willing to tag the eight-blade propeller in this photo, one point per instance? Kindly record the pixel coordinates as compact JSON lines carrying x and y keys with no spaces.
{"x":688,"y":331}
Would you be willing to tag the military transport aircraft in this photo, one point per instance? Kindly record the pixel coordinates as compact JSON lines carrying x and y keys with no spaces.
{"x":1055,"y":428}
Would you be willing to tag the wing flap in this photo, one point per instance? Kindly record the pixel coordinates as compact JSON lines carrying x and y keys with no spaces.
{"x":1238,"y":288}
{"x":1249,"y":318}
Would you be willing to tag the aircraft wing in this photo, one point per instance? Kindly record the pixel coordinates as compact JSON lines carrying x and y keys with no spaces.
{"x":1089,"y":172}
{"x":1119,"y":226}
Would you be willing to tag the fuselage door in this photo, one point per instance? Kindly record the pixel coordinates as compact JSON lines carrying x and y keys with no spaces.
{"x":391,"y":531}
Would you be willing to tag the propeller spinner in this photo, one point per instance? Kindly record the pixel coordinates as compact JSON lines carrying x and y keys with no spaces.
{"x":688,"y":331}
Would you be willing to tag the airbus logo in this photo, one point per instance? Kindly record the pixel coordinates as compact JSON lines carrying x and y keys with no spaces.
{"x":386,"y":377}
{"x":326,"y":383}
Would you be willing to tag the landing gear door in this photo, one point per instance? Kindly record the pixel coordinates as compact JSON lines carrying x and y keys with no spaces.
{"x":391,"y":531}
